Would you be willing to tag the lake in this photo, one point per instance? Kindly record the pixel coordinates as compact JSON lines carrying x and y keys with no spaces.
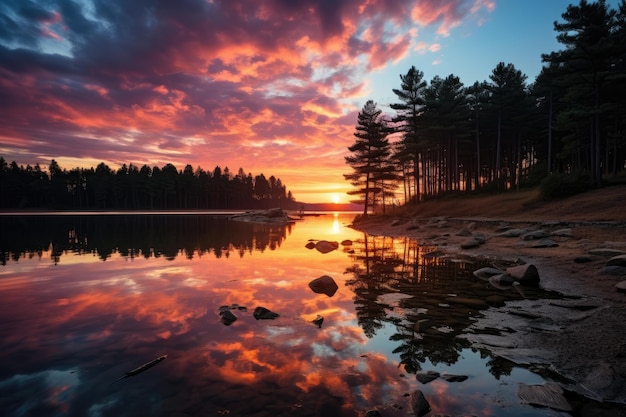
{"x":87,"y":298}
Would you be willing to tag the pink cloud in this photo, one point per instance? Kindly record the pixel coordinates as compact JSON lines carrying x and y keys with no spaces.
{"x":208,"y":83}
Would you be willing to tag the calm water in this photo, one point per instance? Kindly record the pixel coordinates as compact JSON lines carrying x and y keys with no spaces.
{"x":87,"y":298}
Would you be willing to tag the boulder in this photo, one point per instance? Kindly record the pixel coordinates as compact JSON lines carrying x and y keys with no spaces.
{"x":419,"y":404}
{"x":621,"y":286}
{"x":325,"y":246}
{"x":324,"y":285}
{"x":525,"y":274}
{"x":262,"y":313}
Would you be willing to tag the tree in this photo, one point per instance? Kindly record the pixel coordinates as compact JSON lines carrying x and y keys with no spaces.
{"x":587,"y":68}
{"x":370,"y":158}
{"x":409,"y":109}
{"x":508,"y":95}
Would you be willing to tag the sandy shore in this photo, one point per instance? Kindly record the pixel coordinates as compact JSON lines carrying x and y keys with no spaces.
{"x":580,"y":341}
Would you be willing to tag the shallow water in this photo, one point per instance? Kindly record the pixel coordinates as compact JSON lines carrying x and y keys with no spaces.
{"x":87,"y":298}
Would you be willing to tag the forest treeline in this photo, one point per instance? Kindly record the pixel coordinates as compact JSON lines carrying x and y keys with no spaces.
{"x":132,"y":188}
{"x":564,"y":132}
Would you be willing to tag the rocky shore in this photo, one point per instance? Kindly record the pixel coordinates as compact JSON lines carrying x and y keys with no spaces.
{"x":578,"y":341}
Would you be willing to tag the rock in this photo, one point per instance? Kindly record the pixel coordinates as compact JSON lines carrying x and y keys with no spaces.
{"x":606,"y":252}
{"x":470,"y":243}
{"x":454,"y":378}
{"x":325,"y":246}
{"x":346,"y":242}
{"x":467,"y":230}
{"x":621,"y":286}
{"x":613,"y":270}
{"x":546,"y":395}
{"x":545,"y":243}
{"x":487,"y":272}
{"x":584,"y":259}
{"x":310,"y":245}
{"x":227,"y":317}
{"x":534,"y":235}
{"x":562,"y":232}
{"x":526,"y":274}
{"x":427,"y":377}
{"x":372,"y":413}
{"x":619,"y":260}
{"x":318,"y":321}
{"x":419,"y":403}
{"x":324,"y":285}
{"x":262,"y":313}
{"x":502,"y":281}
{"x":512,"y":233}
{"x":275,"y":215}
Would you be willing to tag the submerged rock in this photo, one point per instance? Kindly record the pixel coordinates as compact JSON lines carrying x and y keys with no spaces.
{"x":324,"y":285}
{"x":310,"y":245}
{"x":547,"y":395}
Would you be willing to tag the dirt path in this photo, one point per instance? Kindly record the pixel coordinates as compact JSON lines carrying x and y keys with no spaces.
{"x":579,"y":341}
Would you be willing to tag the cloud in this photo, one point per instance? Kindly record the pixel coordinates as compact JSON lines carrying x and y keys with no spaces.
{"x":133,"y":81}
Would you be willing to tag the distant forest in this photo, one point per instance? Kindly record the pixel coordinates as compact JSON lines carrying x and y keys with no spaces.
{"x":133,"y":188}
{"x":566,"y":132}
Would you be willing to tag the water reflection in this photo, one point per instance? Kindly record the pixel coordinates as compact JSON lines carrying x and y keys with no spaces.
{"x":112,"y":293}
{"x":429,"y":297}
{"x":134,"y":236}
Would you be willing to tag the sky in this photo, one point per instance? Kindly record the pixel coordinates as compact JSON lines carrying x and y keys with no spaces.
{"x":273,"y":87}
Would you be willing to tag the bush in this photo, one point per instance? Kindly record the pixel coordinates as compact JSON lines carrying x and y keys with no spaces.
{"x":563,"y":185}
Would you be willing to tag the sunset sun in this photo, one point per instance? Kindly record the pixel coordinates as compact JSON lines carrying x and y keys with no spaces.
{"x":335,"y":198}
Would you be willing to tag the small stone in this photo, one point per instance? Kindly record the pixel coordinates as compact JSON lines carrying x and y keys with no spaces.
{"x":545,"y":243}
{"x":325,"y":246}
{"x":324,"y":285}
{"x":621,"y":286}
{"x":262,"y":313}
{"x":227,"y":317}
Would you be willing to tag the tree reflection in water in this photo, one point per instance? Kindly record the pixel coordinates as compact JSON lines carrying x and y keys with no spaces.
{"x":132,"y":236}
{"x":430,"y":298}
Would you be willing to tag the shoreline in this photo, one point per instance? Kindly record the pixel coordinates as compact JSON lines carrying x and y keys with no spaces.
{"x":576,"y":342}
